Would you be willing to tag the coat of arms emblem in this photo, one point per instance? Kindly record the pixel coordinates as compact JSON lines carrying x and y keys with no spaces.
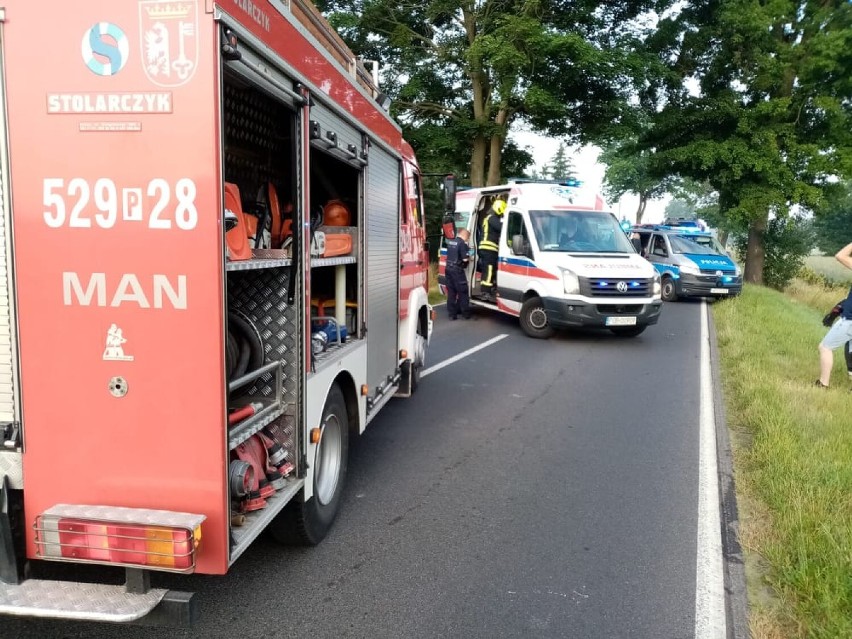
{"x":169,"y":30}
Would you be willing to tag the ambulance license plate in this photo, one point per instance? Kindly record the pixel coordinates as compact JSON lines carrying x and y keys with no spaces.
{"x":719,"y":291}
{"x":620,"y":321}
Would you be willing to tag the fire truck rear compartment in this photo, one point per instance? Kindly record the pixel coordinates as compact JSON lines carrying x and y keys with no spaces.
{"x":262,"y":354}
{"x":262,"y":147}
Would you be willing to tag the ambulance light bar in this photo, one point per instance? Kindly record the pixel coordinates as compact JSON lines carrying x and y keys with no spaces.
{"x":132,"y":537}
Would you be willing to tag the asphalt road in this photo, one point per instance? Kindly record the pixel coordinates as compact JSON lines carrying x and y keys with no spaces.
{"x":532,"y":489}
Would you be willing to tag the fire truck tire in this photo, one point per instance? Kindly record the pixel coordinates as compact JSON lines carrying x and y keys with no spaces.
{"x":534,"y":319}
{"x":419,"y":360}
{"x":306,"y":523}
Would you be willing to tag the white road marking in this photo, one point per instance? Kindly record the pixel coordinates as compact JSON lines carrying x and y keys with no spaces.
{"x":455,"y":358}
{"x":710,"y":618}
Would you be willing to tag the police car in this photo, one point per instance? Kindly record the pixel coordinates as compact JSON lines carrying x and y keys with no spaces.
{"x":689,"y":259}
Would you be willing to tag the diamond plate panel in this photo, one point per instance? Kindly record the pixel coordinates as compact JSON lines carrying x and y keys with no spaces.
{"x":11,"y":465}
{"x":258,"y":143}
{"x":71,"y":600}
{"x":144,"y":516}
{"x":262,"y":296}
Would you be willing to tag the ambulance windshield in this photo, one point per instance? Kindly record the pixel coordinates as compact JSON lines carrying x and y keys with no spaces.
{"x":579,"y":232}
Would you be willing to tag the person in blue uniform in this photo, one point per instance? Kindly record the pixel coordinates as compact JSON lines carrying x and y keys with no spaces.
{"x":458,"y":255}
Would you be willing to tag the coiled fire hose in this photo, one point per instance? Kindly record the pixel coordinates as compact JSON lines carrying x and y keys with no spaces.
{"x":244,"y":350}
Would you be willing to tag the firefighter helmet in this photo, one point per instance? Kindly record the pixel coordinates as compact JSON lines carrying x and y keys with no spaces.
{"x":336,"y":213}
{"x":499,"y":206}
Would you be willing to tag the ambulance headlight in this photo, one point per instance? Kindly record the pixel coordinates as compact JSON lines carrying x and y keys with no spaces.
{"x":570,"y":282}
{"x":657,"y":291}
{"x":737,"y":271}
{"x":690,"y":269}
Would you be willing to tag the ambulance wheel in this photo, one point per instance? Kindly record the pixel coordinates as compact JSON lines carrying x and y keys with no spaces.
{"x":628,"y":331}
{"x":307,"y":523}
{"x":669,"y":291}
{"x":534,"y":319}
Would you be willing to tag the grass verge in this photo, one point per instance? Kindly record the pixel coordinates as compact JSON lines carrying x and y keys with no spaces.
{"x":435,"y":296}
{"x":793,"y":460}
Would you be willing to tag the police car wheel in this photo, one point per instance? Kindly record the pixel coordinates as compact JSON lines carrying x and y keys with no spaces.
{"x":304,"y":522}
{"x":669,"y":292}
{"x":534,"y":319}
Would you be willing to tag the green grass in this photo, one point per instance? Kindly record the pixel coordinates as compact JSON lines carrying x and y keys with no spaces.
{"x":435,"y":296}
{"x":830,"y":268}
{"x":793,"y":461}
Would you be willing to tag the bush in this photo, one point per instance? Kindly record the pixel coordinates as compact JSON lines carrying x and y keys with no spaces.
{"x":786,"y":243}
{"x":810,"y":276}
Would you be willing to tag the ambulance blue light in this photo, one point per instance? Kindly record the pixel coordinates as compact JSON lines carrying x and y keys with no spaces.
{"x":727,"y":278}
{"x":603,"y":283}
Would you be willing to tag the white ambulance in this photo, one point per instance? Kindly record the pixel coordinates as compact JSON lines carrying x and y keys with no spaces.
{"x":564,"y":262}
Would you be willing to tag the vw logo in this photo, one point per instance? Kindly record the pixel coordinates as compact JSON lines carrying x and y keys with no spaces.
{"x":622,"y":287}
{"x":718,"y":273}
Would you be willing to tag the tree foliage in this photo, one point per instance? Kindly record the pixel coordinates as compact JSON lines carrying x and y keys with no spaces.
{"x":560,"y":166}
{"x":628,"y":170}
{"x":833,"y":220}
{"x":770,"y":122}
{"x":473,"y":67}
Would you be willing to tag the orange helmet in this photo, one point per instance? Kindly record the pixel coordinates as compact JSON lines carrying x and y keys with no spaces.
{"x":336,"y":213}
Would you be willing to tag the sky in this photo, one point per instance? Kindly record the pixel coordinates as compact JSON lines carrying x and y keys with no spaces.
{"x":590,"y":172}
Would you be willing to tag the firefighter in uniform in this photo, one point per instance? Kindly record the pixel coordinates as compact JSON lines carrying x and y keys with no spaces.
{"x":458,"y":300}
{"x":492,"y":225}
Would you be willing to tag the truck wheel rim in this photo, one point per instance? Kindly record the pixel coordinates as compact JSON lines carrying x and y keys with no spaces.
{"x":420,"y":350}
{"x":328,"y":460}
{"x":538,"y":318}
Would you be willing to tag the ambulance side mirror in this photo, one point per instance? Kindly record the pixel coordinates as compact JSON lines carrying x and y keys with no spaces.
{"x":449,"y":187}
{"x":519,"y":246}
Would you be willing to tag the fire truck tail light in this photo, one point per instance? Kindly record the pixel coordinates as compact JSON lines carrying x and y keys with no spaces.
{"x":145,"y":543}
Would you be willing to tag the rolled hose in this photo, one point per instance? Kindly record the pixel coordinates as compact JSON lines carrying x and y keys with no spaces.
{"x":244,"y":348}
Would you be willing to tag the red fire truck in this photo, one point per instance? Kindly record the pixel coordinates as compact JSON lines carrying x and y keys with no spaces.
{"x":215,"y":274}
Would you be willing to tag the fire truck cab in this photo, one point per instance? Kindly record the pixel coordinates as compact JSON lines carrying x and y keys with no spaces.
{"x":214,"y":274}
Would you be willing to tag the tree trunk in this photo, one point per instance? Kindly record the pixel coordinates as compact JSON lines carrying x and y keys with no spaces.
{"x":640,"y":211}
{"x":477,"y":161}
{"x":755,"y":254}
{"x":496,"y":156}
{"x":481,"y":107}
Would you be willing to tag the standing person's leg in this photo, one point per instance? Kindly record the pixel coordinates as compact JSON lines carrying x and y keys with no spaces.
{"x":489,"y":267}
{"x":836,"y":337}
{"x":848,"y":354}
{"x":464,"y":296}
{"x":452,"y":295}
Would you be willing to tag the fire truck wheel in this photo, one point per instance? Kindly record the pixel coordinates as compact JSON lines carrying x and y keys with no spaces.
{"x":308,"y":522}
{"x":419,"y":360}
{"x":534,"y":319}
